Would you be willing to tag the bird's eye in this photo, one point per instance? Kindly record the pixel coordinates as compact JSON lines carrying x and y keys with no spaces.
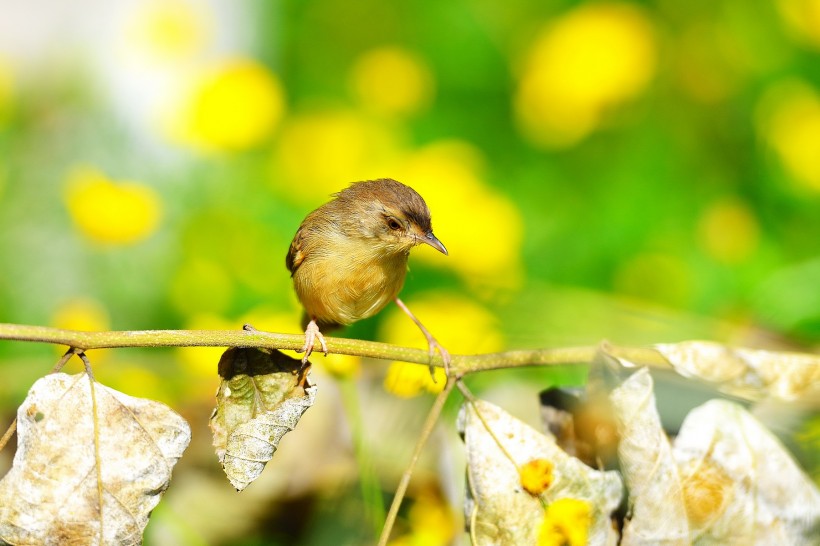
{"x":393,"y":224}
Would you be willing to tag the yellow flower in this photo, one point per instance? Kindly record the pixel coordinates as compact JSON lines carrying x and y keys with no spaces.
{"x":133,"y":379}
{"x":566,"y":523}
{"x":341,"y":366}
{"x":392,"y":81}
{"x":803,"y":18}
{"x":790,"y":122}
{"x":232,"y":107}
{"x":272,"y":319}
{"x":459,"y":324}
{"x":592,"y":58}
{"x":83,"y":314}
{"x":481,"y":228}
{"x":111,"y":212}
{"x":729,"y":230}
{"x":431,"y":522}
{"x":322,"y":150}
{"x":536,"y":476}
{"x":168,"y":29}
{"x":409,"y":380}
{"x":200,"y":363}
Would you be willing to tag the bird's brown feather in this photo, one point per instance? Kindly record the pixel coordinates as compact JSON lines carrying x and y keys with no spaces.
{"x":345,"y":263}
{"x":295,"y":255}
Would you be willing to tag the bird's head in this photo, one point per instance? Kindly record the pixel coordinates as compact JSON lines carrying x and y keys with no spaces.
{"x":392,"y":216}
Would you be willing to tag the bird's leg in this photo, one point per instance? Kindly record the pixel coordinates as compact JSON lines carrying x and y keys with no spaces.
{"x":432,"y":343}
{"x":312,"y":333}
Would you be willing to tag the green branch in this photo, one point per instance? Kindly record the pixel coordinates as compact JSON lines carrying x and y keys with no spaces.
{"x":461,"y":364}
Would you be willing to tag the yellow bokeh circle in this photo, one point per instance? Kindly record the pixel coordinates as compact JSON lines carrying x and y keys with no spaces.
{"x":232,"y":106}
{"x":789,"y":120}
{"x":391,"y":81}
{"x":586,"y":61}
{"x":729,"y":231}
{"x":323,"y":149}
{"x":163,"y":30}
{"x":111,"y":212}
{"x":482,"y":229}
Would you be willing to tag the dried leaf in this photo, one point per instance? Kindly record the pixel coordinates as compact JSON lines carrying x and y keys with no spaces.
{"x":52,"y":493}
{"x":747,"y":373}
{"x":262,"y":396}
{"x":741,"y":485}
{"x":649,"y":469}
{"x":498,"y":510}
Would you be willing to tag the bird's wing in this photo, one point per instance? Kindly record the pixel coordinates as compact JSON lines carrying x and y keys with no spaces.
{"x":295,"y":255}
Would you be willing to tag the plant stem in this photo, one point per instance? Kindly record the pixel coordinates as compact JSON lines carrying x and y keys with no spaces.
{"x":427,"y":429}
{"x":461,"y":364}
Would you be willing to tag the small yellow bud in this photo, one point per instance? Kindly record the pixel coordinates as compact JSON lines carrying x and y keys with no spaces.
{"x":536,"y":476}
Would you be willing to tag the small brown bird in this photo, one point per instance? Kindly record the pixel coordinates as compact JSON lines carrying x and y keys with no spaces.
{"x":348,"y":259}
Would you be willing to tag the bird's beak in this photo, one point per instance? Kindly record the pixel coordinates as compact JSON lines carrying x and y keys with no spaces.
{"x":431,"y":240}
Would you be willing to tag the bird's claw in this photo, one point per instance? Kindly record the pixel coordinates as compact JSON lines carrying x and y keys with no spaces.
{"x":312,"y":333}
{"x":433,"y":346}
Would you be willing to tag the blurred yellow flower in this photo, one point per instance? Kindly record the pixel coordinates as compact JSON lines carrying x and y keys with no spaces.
{"x":111,"y":212}
{"x":789,"y":120}
{"x":200,"y":363}
{"x":83,"y":314}
{"x":481,"y":228}
{"x":803,"y":18}
{"x":536,"y":476}
{"x":201,"y":286}
{"x":322,"y":150}
{"x":271,"y":319}
{"x":729,"y":230}
{"x":234,"y":106}
{"x":566,"y":523}
{"x":164,"y":30}
{"x":458,"y":323}
{"x":133,"y":379}
{"x":431,"y":522}
{"x":409,"y":380}
{"x":593,"y":58}
{"x":341,"y":366}
{"x":392,"y":81}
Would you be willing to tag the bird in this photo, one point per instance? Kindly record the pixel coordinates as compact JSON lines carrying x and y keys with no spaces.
{"x":348,"y":259}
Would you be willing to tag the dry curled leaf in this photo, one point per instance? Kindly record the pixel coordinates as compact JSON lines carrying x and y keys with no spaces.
{"x":498,"y":510}
{"x":51,"y":495}
{"x":725,"y":480}
{"x":747,"y":373}
{"x":261,"y":398}
{"x":741,"y":485}
{"x":649,"y":469}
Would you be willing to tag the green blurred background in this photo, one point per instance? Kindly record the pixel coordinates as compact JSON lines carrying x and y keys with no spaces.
{"x":641,"y":172}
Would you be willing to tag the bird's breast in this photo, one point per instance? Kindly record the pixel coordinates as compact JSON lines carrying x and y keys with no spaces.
{"x":348,"y":282}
